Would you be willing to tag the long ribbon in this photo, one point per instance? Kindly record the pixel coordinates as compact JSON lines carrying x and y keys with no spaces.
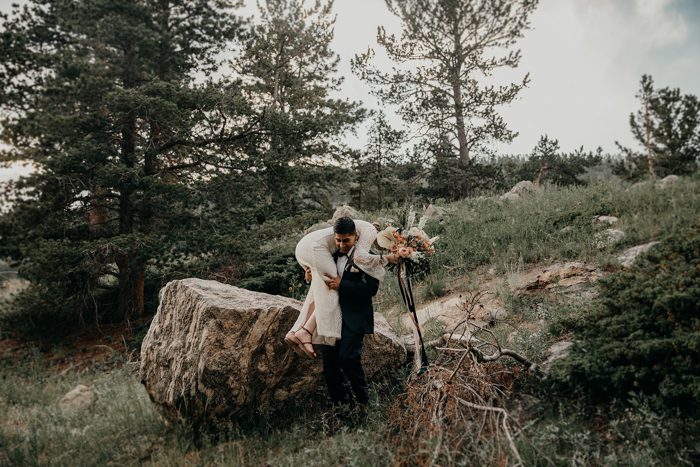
{"x":421,"y":362}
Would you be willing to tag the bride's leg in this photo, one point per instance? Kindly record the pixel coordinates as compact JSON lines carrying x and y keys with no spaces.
{"x":302,"y":319}
{"x":306,"y":332}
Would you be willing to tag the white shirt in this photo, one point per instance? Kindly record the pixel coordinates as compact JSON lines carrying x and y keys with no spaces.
{"x":342,"y":262}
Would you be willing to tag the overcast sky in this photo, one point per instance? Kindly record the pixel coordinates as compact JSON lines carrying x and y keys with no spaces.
{"x":585,"y":59}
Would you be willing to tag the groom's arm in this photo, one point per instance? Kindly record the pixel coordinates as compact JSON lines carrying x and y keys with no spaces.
{"x":366,"y":288}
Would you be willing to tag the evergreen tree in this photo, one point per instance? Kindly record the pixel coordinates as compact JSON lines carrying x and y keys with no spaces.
{"x":445,"y":49}
{"x":290,"y":74}
{"x":103,"y":97}
{"x":668,"y":127}
{"x":547,"y":163}
{"x":376,"y":170}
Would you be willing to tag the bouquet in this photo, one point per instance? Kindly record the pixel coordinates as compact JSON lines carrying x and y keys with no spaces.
{"x":410,"y":243}
{"x":413,"y":247}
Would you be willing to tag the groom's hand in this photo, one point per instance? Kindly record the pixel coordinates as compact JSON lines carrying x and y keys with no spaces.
{"x":332,"y":282}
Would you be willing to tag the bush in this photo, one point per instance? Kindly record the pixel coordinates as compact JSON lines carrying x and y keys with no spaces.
{"x":643,"y":333}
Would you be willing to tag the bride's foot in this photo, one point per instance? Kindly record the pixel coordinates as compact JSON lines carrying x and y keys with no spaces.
{"x":305,"y":341}
{"x":293,"y":341}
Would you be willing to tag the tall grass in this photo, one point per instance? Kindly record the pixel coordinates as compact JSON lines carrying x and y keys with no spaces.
{"x":123,"y":427}
{"x":558,"y":224}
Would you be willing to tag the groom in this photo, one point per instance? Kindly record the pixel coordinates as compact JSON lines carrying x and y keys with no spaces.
{"x":355,"y":291}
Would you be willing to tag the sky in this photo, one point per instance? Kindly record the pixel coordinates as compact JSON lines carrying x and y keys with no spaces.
{"x":585,"y":59}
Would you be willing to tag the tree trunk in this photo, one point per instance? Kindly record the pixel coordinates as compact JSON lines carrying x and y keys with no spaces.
{"x":131,"y":274}
{"x":97,"y":213}
{"x":455,"y":78}
{"x":650,"y":154}
{"x":131,"y":284}
{"x":461,"y":128}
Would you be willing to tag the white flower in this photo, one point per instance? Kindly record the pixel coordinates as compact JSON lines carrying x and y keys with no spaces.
{"x":414,"y":231}
{"x":417,"y":255}
{"x":411,"y":219}
{"x":385,"y":238}
{"x":421,"y":223}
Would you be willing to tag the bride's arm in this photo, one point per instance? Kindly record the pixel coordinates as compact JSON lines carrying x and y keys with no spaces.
{"x":368,"y":260}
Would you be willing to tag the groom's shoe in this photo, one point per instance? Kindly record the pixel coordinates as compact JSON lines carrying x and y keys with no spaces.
{"x":358,"y":415}
{"x":335,"y":419}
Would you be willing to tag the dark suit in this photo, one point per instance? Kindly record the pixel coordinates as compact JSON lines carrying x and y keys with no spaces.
{"x":355,"y":294}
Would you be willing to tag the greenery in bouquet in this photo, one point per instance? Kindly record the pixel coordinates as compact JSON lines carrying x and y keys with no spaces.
{"x":410,"y":243}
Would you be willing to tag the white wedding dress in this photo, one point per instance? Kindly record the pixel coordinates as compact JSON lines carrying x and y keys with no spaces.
{"x":315,"y":251}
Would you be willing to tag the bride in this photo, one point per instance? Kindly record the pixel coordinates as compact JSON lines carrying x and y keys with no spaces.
{"x":320,"y":320}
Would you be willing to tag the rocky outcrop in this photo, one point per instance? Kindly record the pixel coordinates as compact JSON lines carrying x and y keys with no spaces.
{"x":435,"y":212}
{"x":608,"y":237}
{"x":214,"y":351}
{"x":77,"y":399}
{"x":667,"y":181}
{"x":557,"y":351}
{"x":566,"y":277}
{"x":629,"y":256}
{"x":520,"y":190}
{"x":610,"y":220}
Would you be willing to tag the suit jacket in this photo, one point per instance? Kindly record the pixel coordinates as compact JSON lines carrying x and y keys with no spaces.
{"x":355,"y":294}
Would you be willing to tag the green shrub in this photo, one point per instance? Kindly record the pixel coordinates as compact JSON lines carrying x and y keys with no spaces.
{"x":643,"y":333}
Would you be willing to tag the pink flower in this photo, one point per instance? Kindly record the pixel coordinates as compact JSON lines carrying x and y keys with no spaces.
{"x":405,"y":252}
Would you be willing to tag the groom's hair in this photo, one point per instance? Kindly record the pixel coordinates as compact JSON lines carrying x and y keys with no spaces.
{"x":344,"y":226}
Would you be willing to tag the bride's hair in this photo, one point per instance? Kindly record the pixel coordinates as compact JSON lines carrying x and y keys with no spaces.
{"x":344,"y":226}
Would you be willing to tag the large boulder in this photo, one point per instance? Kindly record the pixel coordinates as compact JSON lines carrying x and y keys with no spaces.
{"x":214,"y":351}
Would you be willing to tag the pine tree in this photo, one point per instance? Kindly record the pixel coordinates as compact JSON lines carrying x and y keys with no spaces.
{"x":667,"y":126}
{"x":445,"y":49}
{"x":375,"y":171}
{"x":106,"y":98}
{"x":290,"y":74}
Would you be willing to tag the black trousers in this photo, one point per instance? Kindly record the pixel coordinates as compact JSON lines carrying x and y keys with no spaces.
{"x":342,"y":362}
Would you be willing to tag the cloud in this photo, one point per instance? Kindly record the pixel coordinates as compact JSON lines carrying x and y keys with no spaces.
{"x":586,"y":58}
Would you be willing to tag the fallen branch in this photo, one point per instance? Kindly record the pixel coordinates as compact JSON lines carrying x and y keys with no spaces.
{"x":506,"y":430}
{"x":446,"y":338}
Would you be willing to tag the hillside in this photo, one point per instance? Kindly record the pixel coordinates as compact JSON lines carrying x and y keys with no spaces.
{"x":526,"y":270}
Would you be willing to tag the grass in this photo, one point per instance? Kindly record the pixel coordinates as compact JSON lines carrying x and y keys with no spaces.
{"x":123,"y":427}
{"x":120,"y":426}
{"x":508,"y":235}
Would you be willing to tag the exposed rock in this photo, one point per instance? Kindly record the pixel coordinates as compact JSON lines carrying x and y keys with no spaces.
{"x":557,"y":351}
{"x":214,"y":351}
{"x":78,"y":398}
{"x":317,"y":226}
{"x":667,"y":181}
{"x":610,"y":220}
{"x":520,"y":190}
{"x":608,"y":237}
{"x":569,"y":277}
{"x":629,"y":256}
{"x":566,"y":229}
{"x":344,"y":211}
{"x":451,"y":312}
{"x":434,"y":212}
{"x":637,"y":185}
{"x":497,"y":314}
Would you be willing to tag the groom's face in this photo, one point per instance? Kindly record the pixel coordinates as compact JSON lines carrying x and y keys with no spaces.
{"x":345,"y":242}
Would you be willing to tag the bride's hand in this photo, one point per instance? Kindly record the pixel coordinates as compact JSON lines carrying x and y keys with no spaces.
{"x":392,"y":258}
{"x":332,"y":282}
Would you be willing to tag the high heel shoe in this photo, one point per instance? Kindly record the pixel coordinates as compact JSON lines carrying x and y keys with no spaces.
{"x":303,"y":345}
{"x":293,"y":342}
